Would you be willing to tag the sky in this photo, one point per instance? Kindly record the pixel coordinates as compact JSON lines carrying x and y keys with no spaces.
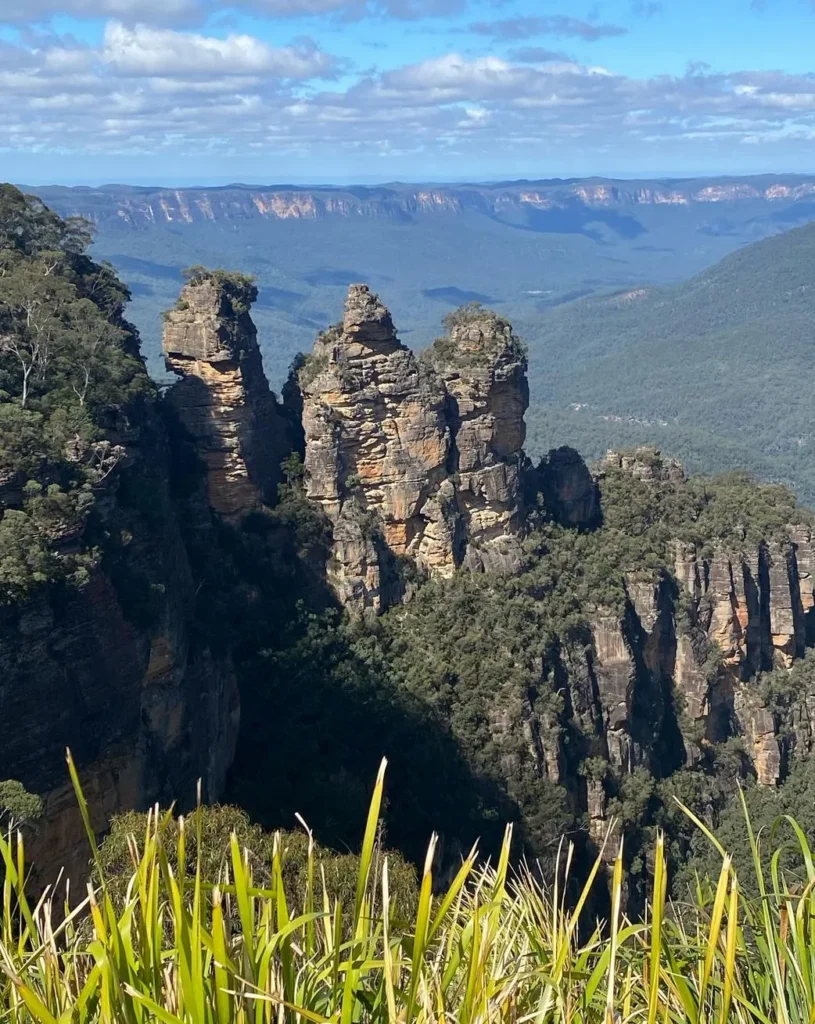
{"x":316,"y":91}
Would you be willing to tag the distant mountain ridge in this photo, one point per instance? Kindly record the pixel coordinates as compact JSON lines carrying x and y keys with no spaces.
{"x":134,"y":206}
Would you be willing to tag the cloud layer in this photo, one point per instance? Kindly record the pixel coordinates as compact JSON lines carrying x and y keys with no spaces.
{"x":157,"y":90}
{"x":185,"y":13}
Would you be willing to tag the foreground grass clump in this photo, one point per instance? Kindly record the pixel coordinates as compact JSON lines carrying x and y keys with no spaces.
{"x":495,"y":946}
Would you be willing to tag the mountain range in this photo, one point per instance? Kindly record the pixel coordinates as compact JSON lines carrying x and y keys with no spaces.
{"x":522,"y":247}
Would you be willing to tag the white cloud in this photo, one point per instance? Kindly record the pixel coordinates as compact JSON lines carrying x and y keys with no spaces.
{"x":191,"y":12}
{"x":165,"y":52}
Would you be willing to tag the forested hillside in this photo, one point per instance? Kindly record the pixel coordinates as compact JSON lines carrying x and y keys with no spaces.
{"x":98,"y":647}
{"x":717,"y":371}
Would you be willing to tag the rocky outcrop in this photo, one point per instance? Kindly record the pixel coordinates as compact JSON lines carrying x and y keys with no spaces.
{"x":483,"y":368}
{"x":674,"y":664}
{"x":745,"y":615}
{"x":223,"y":399}
{"x":377,"y":446}
{"x":676,"y":667}
{"x":644,"y":463}
{"x":415,"y":460}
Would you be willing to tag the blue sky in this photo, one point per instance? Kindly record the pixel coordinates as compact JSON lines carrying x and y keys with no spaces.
{"x":193,"y":91}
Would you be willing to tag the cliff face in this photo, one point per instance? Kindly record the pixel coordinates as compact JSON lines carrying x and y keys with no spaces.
{"x":144,"y":207}
{"x":413,"y":459}
{"x":483,"y":368}
{"x":750,"y":608}
{"x":675,"y":668}
{"x":115,"y":670}
{"x":223,"y":399}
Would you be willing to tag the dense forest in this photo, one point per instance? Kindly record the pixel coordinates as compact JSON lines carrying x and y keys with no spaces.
{"x":714,"y":370}
{"x":483,"y":689}
{"x":69,"y":370}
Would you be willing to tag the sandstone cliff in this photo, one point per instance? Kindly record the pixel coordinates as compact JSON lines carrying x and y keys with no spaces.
{"x":145,"y":207}
{"x":483,"y":367}
{"x":674,"y":668}
{"x":223,"y":399}
{"x":413,"y":461}
{"x":116,"y":669}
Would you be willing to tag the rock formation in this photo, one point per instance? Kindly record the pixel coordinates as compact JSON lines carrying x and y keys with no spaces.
{"x":746,"y":615}
{"x":676,"y":665}
{"x":223,"y":399}
{"x":645,"y":463}
{"x":413,"y":459}
{"x":483,"y":368}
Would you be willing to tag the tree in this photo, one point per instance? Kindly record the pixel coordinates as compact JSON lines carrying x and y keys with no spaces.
{"x":32,"y":304}
{"x":18,"y":807}
{"x":28,"y":227}
{"x":94,"y":339}
{"x":217,"y":824}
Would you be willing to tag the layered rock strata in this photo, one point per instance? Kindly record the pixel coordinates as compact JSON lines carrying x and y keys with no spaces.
{"x":149,"y":207}
{"x":483,"y":368}
{"x":413,"y":461}
{"x":223,"y":398}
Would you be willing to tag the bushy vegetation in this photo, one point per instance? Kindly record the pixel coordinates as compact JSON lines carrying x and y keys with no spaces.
{"x":492,"y":337}
{"x":239,"y":289}
{"x":490,"y":944}
{"x":304,"y":864}
{"x":70,"y":380}
{"x":18,"y":807}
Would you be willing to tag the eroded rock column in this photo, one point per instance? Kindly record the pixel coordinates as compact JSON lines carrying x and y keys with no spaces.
{"x":223,"y":399}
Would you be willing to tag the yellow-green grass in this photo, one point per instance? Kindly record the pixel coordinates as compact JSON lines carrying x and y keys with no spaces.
{"x":497,"y":945}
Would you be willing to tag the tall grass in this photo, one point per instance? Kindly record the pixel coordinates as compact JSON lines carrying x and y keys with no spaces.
{"x":496,"y":946}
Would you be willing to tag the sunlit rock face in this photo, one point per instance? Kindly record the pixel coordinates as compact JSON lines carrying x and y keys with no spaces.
{"x":483,"y":367}
{"x":223,"y":399}
{"x":414,"y":460}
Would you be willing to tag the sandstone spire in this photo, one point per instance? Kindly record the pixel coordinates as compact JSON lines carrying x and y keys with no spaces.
{"x":411,"y":459}
{"x":377,"y":444}
{"x":223,"y":399}
{"x":482,"y":365}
